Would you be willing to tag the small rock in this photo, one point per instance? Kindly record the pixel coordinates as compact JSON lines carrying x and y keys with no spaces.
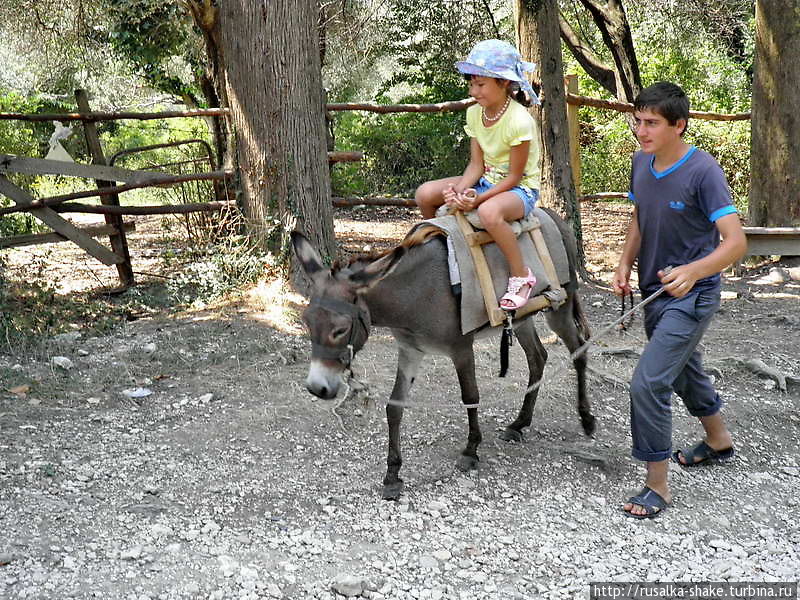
{"x":62,"y":362}
{"x":67,"y":338}
{"x":192,"y":588}
{"x":442,"y":555}
{"x":719,"y":544}
{"x":159,"y":530}
{"x":211,"y":528}
{"x":428,"y":562}
{"x":139,"y":392}
{"x":149,"y":348}
{"x":205,"y":398}
{"x":131,"y":553}
{"x":348,"y":585}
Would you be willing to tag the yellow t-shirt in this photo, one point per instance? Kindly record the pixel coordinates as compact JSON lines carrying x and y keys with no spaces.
{"x":514,"y":127}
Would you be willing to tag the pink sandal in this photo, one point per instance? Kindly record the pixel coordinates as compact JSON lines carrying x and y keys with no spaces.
{"x":513,"y":299}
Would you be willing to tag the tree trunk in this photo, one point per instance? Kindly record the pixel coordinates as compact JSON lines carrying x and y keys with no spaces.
{"x":538,"y":38}
{"x":775,"y":125}
{"x":623,"y":80}
{"x":273,"y":85}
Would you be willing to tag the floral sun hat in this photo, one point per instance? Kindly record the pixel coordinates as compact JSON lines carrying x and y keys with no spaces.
{"x":500,"y":60}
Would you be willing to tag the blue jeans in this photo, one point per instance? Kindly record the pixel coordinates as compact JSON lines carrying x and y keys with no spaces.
{"x":529,"y":196}
{"x":671,"y":362}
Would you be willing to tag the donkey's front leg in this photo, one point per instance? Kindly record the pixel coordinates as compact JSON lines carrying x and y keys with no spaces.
{"x":464,"y":362}
{"x":408,"y":361}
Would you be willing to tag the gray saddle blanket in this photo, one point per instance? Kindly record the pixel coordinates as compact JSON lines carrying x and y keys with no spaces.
{"x":473,"y":309}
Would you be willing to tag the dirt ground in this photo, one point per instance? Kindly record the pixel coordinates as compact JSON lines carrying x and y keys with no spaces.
{"x":181,"y":457}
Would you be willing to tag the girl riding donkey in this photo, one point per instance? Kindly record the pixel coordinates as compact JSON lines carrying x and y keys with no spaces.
{"x":502,"y":177}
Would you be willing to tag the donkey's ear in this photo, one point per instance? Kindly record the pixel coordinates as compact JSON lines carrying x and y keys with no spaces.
{"x":307,"y":255}
{"x":377,"y":269}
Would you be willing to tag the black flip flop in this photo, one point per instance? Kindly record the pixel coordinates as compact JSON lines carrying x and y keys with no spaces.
{"x":702,"y":454}
{"x":651,"y":501}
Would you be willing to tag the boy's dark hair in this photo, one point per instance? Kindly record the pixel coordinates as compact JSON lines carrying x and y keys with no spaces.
{"x":666,"y":99}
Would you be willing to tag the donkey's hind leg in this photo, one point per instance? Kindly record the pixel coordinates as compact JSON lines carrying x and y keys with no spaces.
{"x":408,"y":361}
{"x":537,"y":357}
{"x":569,"y":324}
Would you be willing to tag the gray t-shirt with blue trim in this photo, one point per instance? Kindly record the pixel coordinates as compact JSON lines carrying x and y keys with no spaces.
{"x":678,"y":209}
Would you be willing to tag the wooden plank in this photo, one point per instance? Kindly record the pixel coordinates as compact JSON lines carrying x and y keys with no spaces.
{"x":166,"y":209}
{"x":334,"y":157}
{"x":768,"y":241}
{"x":573,"y":126}
{"x":103,"y":116}
{"x":59,"y":224}
{"x":118,"y":242}
{"x":774,"y":231}
{"x":40,"y":166}
{"x":496,"y":314}
{"x":532,"y":305}
{"x":355,"y":201}
{"x":544,"y":256}
{"x":35,"y":239}
{"x":108,"y":191}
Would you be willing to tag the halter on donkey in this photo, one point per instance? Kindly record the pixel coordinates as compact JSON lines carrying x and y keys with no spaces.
{"x":388,"y":290}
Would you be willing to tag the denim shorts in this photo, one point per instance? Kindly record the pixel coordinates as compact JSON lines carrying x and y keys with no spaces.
{"x":528,"y":195}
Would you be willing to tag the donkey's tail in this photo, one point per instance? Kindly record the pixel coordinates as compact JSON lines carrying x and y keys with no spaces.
{"x":579,"y":316}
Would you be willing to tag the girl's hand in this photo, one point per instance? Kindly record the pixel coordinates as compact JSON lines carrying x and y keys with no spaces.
{"x":450,"y":195}
{"x":467,"y":200}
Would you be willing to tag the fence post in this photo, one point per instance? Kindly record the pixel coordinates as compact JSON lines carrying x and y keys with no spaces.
{"x":573,"y":126}
{"x":118,"y":241}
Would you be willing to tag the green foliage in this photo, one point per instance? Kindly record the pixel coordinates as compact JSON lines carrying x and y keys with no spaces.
{"x":606,"y":148}
{"x":219,"y":270}
{"x":160,"y":40}
{"x":23,"y":138}
{"x":715,"y":81}
{"x":401,"y":151}
{"x":729,"y":143}
{"x":421,"y":43}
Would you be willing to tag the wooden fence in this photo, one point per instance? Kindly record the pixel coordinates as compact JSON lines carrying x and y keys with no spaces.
{"x":47,"y":209}
{"x":761,"y":240}
{"x":785,"y":240}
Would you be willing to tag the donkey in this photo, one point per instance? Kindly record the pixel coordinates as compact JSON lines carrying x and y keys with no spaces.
{"x":408,"y":290}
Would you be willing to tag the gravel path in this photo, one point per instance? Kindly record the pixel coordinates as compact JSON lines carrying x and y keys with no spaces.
{"x":229,"y":481}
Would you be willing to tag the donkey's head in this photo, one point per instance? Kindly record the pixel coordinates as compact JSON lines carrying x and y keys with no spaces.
{"x":337,"y":317}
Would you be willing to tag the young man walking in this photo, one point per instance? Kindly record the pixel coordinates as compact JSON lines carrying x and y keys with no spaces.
{"x":682,"y":206}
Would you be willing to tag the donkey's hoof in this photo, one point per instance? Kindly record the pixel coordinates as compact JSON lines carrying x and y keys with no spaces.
{"x":589,"y":423}
{"x":511,"y":435}
{"x":392,"y":491}
{"x":467,"y":463}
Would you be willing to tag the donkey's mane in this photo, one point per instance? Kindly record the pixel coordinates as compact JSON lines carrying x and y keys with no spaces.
{"x":417,"y":235}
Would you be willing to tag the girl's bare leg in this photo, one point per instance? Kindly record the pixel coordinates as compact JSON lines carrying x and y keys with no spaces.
{"x":495,"y":214}
{"x":429,"y":195}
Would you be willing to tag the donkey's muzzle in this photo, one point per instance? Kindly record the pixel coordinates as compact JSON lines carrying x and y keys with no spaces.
{"x":322,"y":381}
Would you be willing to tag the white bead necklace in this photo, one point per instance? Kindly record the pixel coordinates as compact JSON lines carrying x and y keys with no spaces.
{"x":499,"y":114}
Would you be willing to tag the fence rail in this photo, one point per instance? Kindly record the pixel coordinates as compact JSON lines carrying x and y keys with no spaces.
{"x":106,"y":176}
